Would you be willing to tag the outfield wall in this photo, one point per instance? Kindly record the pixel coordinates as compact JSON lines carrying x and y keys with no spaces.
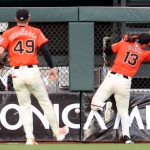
{"x":73,"y":110}
{"x":82,"y":28}
{"x":79,"y":14}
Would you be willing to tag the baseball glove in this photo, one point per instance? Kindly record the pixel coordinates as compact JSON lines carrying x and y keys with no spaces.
{"x":130,"y":37}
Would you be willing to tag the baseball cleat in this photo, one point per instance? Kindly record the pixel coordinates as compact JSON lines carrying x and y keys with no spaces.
{"x":31,"y":141}
{"x":108,"y":111}
{"x":127,"y":140}
{"x":62,"y":133}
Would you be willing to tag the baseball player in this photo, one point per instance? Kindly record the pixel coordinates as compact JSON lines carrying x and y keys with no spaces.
{"x":22,"y":42}
{"x":129,"y":56}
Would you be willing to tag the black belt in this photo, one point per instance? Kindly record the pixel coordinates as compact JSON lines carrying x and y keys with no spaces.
{"x":112,"y":72}
{"x":29,"y":66}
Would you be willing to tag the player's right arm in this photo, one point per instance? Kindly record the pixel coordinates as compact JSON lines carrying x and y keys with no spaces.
{"x":108,"y":50}
{"x":112,"y":49}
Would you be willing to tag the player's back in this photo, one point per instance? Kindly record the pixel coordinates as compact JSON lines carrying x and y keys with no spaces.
{"x":22,"y":33}
{"x":23,"y":43}
{"x":129,"y":58}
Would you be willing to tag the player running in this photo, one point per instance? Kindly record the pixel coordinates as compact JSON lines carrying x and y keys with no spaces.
{"x":22,"y":42}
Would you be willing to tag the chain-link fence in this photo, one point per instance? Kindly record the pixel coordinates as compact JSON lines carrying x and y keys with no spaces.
{"x":57,"y":33}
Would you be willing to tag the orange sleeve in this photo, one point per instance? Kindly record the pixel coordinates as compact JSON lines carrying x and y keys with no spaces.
{"x":147,"y":56}
{"x":115,"y":47}
{"x":4,"y":40}
{"x":41,"y":39}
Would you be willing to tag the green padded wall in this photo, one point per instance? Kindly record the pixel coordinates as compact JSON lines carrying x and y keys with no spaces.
{"x":42,"y":14}
{"x":114,"y":14}
{"x":81,"y":56}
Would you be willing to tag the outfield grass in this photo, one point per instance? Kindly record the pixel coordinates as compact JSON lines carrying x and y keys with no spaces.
{"x":75,"y":147}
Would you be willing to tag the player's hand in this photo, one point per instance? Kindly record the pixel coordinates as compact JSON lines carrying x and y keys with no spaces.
{"x":53,"y":74}
{"x":1,"y":51}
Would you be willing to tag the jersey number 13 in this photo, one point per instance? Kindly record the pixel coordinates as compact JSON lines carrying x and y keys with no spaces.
{"x":131,"y":58}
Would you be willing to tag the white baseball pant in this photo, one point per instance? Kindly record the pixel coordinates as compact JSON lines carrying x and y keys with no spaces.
{"x":28,"y":80}
{"x":119,"y":86}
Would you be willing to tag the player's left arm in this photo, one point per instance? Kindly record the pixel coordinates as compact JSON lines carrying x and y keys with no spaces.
{"x":42,"y":44}
{"x":45,"y":52}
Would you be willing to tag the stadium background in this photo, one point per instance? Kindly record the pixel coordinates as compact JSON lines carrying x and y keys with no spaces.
{"x":76,"y":34}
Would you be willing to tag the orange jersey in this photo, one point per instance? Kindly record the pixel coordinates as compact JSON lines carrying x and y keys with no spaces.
{"x":22,"y":44}
{"x":129,"y":57}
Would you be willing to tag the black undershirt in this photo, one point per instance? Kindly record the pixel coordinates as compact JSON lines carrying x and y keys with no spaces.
{"x":45,"y":52}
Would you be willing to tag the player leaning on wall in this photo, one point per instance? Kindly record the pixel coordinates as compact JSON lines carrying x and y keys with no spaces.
{"x":130,"y":54}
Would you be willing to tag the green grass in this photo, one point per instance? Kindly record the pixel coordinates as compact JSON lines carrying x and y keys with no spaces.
{"x":75,"y":147}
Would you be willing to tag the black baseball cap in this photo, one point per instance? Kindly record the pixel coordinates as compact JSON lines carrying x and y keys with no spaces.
{"x":22,"y":14}
{"x":143,"y":38}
